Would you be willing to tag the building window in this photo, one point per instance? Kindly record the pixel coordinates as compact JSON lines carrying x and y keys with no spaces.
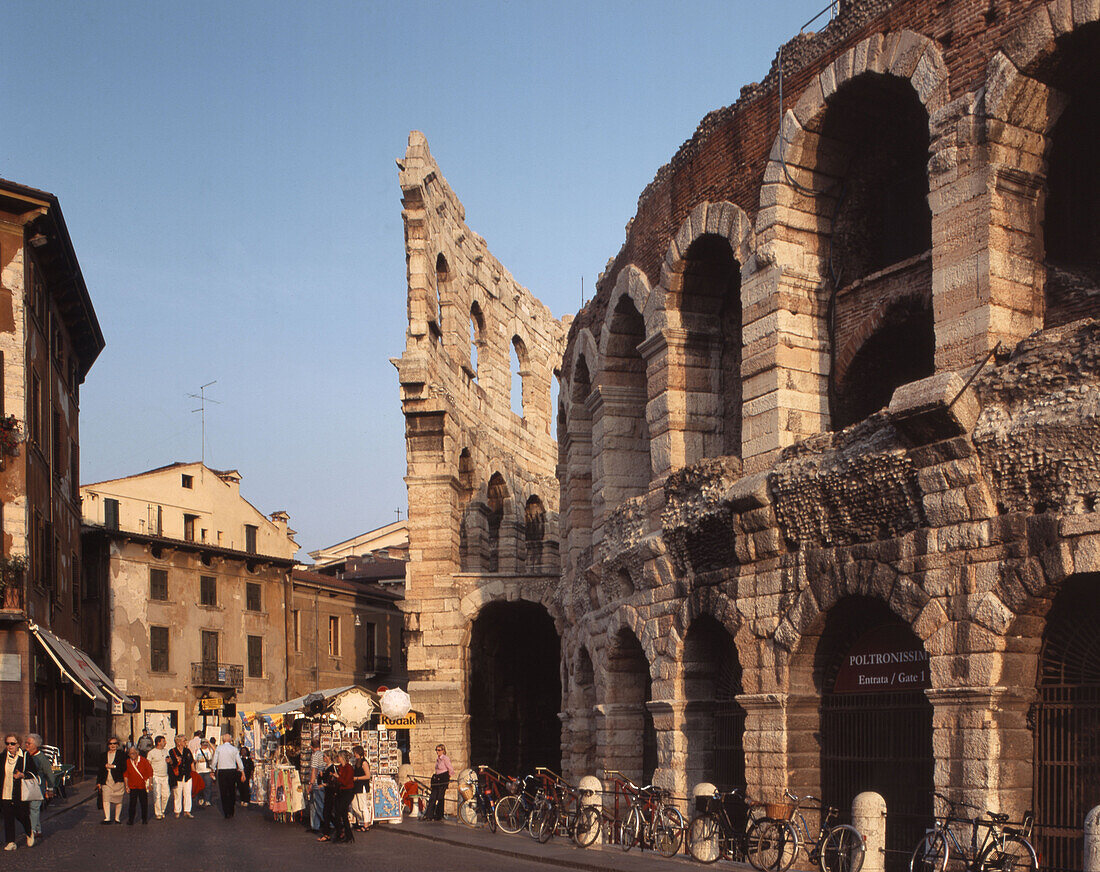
{"x":158,"y":649}
{"x":74,"y":567}
{"x":208,"y":590}
{"x":158,"y":584}
{"x":250,"y":538}
{"x":74,"y":471}
{"x":189,"y":527}
{"x":56,"y":447}
{"x":35,"y":410}
{"x":209,"y":646}
{"x":110,"y":514}
{"x":252,"y":599}
{"x":255,"y":656}
{"x":187,"y":481}
{"x":334,"y":636}
{"x":296,"y":622}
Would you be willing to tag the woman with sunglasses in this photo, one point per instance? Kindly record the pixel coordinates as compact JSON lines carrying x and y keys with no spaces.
{"x":16,"y":768}
{"x":109,"y":781}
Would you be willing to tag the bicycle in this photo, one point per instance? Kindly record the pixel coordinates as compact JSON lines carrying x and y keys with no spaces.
{"x":480,"y":808}
{"x":723,"y":826}
{"x":653,"y":821}
{"x":1003,"y":848}
{"x":780,"y":835}
{"x":553,"y":815}
{"x":514,"y":810}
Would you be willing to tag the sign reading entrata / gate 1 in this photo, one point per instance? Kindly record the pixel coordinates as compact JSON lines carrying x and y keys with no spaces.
{"x":884,"y":660}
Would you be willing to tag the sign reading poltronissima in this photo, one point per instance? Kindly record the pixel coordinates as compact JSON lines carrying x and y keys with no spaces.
{"x":885,"y":659}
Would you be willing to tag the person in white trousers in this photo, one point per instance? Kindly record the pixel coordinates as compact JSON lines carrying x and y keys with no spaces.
{"x":158,"y":759}
{"x":180,"y":762}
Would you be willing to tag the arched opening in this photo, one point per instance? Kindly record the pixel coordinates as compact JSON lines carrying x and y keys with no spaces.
{"x":876,"y":721}
{"x":534,"y":529}
{"x":714,"y":722}
{"x":477,"y":337}
{"x":1071,"y":227}
{"x":519,"y":367}
{"x":442,"y":290}
{"x":515,"y":688}
{"x":874,"y":143}
{"x":1066,"y":783}
{"x":902,"y":350}
{"x":710,"y":309}
{"x":495,"y":495}
{"x":575,"y":455}
{"x":466,"y":471}
{"x":629,"y":738}
{"x":623,"y":420}
{"x":584,"y":714}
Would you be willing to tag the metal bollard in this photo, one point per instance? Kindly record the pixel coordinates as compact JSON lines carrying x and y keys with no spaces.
{"x":869,"y":817}
{"x":1092,"y":840}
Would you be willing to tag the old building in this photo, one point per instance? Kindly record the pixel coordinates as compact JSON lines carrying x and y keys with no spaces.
{"x":827,"y":436}
{"x":391,"y":541}
{"x":198,"y":582}
{"x":49,"y":338}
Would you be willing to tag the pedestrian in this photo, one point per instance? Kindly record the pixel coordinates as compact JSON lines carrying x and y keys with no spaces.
{"x":328,"y":782}
{"x":344,"y":782}
{"x":229,"y":770}
{"x":18,"y":768}
{"x":145,"y":743}
{"x":245,"y":787}
{"x":138,"y":778}
{"x":158,"y":759}
{"x":46,"y":777}
{"x":441,"y":779}
{"x":316,"y":787}
{"x":362,"y":804}
{"x":202,"y":769}
{"x":194,"y":742}
{"x":109,"y":781}
{"x":180,"y":762}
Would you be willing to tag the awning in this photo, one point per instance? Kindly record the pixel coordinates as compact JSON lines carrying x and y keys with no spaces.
{"x":80,"y":669}
{"x":299,"y":703}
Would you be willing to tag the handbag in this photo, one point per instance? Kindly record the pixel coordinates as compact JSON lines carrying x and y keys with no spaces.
{"x":32,"y":790}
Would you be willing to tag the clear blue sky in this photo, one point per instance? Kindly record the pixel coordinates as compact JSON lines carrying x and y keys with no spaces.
{"x":227,"y":174}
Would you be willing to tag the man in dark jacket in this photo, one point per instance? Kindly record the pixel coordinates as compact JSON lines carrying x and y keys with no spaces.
{"x":16,"y":768}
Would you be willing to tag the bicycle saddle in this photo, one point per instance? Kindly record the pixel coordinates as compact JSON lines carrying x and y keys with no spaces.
{"x":997,"y":818}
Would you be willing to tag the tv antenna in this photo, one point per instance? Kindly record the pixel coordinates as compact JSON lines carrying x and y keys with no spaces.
{"x":203,"y":400}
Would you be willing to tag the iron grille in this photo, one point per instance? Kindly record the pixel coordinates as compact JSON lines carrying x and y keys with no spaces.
{"x":210,"y":674}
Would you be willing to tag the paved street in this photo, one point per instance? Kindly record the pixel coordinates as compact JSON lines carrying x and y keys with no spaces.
{"x":75,"y":840}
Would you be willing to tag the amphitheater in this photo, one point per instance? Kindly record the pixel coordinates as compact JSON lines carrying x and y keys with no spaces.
{"x":821,"y":512}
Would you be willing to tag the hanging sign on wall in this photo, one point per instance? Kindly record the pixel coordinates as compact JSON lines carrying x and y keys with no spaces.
{"x":887,"y":659}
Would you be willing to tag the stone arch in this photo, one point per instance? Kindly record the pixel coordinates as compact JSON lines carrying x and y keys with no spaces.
{"x":444,"y":289}
{"x":521,"y":398}
{"x":631,"y":282}
{"x":626,"y":617}
{"x":627,"y":736}
{"x":584,"y":352}
{"x":724,"y":219}
{"x":478,"y":339}
{"x":703,"y":601}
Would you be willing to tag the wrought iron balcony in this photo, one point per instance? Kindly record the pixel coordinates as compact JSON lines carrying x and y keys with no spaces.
{"x":376,"y":664}
{"x":210,"y":674}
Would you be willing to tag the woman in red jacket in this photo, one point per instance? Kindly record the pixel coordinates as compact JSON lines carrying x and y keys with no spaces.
{"x":138,"y":777}
{"x":345,"y":792}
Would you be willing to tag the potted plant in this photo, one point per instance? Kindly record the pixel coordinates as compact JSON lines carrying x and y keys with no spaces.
{"x":11,"y":434}
{"x":12,"y":568}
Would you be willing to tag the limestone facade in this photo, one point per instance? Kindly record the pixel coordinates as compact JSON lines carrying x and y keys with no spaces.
{"x":838,"y":386}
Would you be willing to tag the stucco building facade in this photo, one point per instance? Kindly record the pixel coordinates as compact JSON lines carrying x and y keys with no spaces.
{"x":827,"y":438}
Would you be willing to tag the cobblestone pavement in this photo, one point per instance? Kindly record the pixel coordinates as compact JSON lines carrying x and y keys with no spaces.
{"x":75,"y":840}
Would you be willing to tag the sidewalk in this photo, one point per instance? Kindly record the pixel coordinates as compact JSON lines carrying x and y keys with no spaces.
{"x":557,"y":852}
{"x":79,"y":794}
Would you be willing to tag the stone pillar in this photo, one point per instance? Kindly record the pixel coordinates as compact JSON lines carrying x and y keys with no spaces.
{"x":1092,"y":840}
{"x":869,"y":817}
{"x":622,"y":469}
{"x":765,"y":744}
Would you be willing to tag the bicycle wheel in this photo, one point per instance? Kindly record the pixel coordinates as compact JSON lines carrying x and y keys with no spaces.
{"x":776,"y":846}
{"x":930,"y":855}
{"x":548,"y":822}
{"x":704,"y":841}
{"x":1013,"y":854}
{"x":842,"y":850}
{"x":510,"y":815}
{"x":467,"y":812}
{"x":668,"y":831}
{"x":491,"y":817}
{"x":632,"y":829}
{"x":586,"y":828}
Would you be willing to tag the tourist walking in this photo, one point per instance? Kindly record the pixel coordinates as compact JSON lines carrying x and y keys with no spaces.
{"x":109,"y":781}
{"x":328,"y":782}
{"x":138,"y":778}
{"x":245,"y":786}
{"x":47,"y":780}
{"x":441,"y":779}
{"x":229,"y":770}
{"x":344,"y":782}
{"x":18,"y":769}
{"x":316,"y":787}
{"x":203,"y":760}
{"x":180,"y":763}
{"x":145,"y":743}
{"x":362,"y":807}
{"x":158,"y":760}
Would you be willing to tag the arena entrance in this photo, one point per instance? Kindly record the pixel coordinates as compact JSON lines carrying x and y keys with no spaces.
{"x":1067,"y":724}
{"x":515,"y":689}
{"x":714,"y":722}
{"x":876,"y":722}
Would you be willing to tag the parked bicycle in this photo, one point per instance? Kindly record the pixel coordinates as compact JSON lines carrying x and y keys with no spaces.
{"x":600,"y":819}
{"x":1004,"y":847}
{"x":488,"y":788}
{"x":723,"y":827}
{"x":780,"y":836}
{"x":560,"y":811}
{"x":513,"y":811}
{"x":654,"y":822}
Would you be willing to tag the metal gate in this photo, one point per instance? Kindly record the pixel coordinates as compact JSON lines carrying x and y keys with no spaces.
{"x":881,"y":742}
{"x":1066,"y":723}
{"x":729,"y":723}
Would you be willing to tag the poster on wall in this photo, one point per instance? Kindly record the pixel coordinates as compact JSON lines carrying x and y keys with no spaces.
{"x":387,"y":798}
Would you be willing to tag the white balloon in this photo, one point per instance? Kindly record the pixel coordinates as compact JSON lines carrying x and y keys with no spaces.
{"x":395,"y":703}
